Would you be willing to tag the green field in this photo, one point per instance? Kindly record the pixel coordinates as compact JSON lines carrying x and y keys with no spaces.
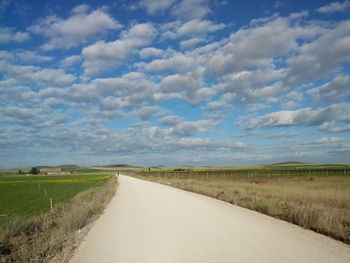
{"x":30,"y":195}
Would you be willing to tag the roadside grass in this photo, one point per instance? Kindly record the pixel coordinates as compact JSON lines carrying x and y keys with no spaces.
{"x":319,"y":203}
{"x":33,"y":233}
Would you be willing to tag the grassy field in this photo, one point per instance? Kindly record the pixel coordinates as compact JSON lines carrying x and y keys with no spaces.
{"x":316,"y":197}
{"x":30,"y":195}
{"x":30,"y":231}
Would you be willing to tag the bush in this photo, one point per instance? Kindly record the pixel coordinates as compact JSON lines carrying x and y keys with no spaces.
{"x":34,"y":170}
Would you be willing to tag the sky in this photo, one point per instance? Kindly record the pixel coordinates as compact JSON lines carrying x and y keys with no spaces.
{"x":174,"y":82}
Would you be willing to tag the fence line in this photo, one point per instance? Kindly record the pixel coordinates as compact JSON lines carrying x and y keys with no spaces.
{"x":248,"y":173}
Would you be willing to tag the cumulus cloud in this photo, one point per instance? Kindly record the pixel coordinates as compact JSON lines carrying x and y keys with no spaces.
{"x":303,"y":117}
{"x":102,"y":55}
{"x":321,"y":56}
{"x":18,"y":74}
{"x":181,"y":9}
{"x":153,"y":7}
{"x":197,"y":27}
{"x":33,"y":118}
{"x":32,"y":57}
{"x":24,"y":56}
{"x":150,"y":52}
{"x":19,"y":95}
{"x":254,"y":47}
{"x":189,"y":128}
{"x":71,"y":60}
{"x":132,"y":83}
{"x":223,"y":102}
{"x":77,"y":29}
{"x":334,"y":91}
{"x":334,"y":7}
{"x":192,"y":42}
{"x":178,"y":82}
{"x":148,"y":112}
{"x":189,"y":9}
{"x":171,"y":120}
{"x":177,"y":63}
{"x":8,"y":35}
{"x":252,"y":86}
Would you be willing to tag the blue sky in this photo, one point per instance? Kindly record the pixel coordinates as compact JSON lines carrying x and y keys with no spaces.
{"x":174,"y":82}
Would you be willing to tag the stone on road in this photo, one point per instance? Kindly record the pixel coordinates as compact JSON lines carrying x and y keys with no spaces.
{"x":152,"y":223}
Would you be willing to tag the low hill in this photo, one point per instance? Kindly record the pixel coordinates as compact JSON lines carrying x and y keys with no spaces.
{"x":119,"y":166}
{"x":289,"y":162}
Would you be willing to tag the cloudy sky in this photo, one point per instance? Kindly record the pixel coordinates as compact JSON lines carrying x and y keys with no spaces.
{"x":174,"y":82}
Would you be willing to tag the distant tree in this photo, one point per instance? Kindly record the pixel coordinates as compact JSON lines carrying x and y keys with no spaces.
{"x":34,"y":170}
{"x":20,"y":171}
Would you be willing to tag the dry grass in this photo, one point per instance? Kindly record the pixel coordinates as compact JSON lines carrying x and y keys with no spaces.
{"x":321,"y":204}
{"x":44,"y":238}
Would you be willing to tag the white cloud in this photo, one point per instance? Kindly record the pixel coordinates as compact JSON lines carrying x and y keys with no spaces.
{"x":171,"y":120}
{"x":190,"y":43}
{"x":177,"y":63}
{"x":80,"y":9}
{"x":338,"y":129}
{"x":19,"y":95}
{"x":75,"y":30}
{"x":320,"y":57}
{"x":210,"y":145}
{"x":6,"y":56}
{"x":303,"y":117}
{"x":189,"y":128}
{"x":149,"y":52}
{"x":334,"y":7}
{"x":197,"y":27}
{"x":223,"y":102}
{"x":189,"y":9}
{"x":102,"y":55}
{"x":178,"y":82}
{"x":8,"y":35}
{"x":256,"y":46}
{"x":153,"y":7}
{"x":148,"y":112}
{"x":334,"y":91}
{"x":254,"y":85}
{"x":24,"y":56}
{"x":328,"y":140}
{"x":71,"y":60}
{"x":17,"y":74}
{"x":130,"y":84}
{"x":32,"y":57}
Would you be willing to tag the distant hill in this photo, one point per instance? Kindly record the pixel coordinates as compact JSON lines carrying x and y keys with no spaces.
{"x":119,"y":166}
{"x":289,"y":162}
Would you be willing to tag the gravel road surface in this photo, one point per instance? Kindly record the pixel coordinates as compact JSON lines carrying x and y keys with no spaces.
{"x":152,"y":223}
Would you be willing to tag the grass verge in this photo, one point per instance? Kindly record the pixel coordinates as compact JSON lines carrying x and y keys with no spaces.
{"x":45,"y":237}
{"x":321,"y":204}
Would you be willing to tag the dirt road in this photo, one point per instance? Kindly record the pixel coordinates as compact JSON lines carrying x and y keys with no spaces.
{"x":152,"y":223}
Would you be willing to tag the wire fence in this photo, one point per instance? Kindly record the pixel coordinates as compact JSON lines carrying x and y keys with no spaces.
{"x":246,"y":173}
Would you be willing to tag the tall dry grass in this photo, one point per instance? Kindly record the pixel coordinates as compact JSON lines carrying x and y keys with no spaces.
{"x":321,"y":204}
{"x":53,"y":236}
